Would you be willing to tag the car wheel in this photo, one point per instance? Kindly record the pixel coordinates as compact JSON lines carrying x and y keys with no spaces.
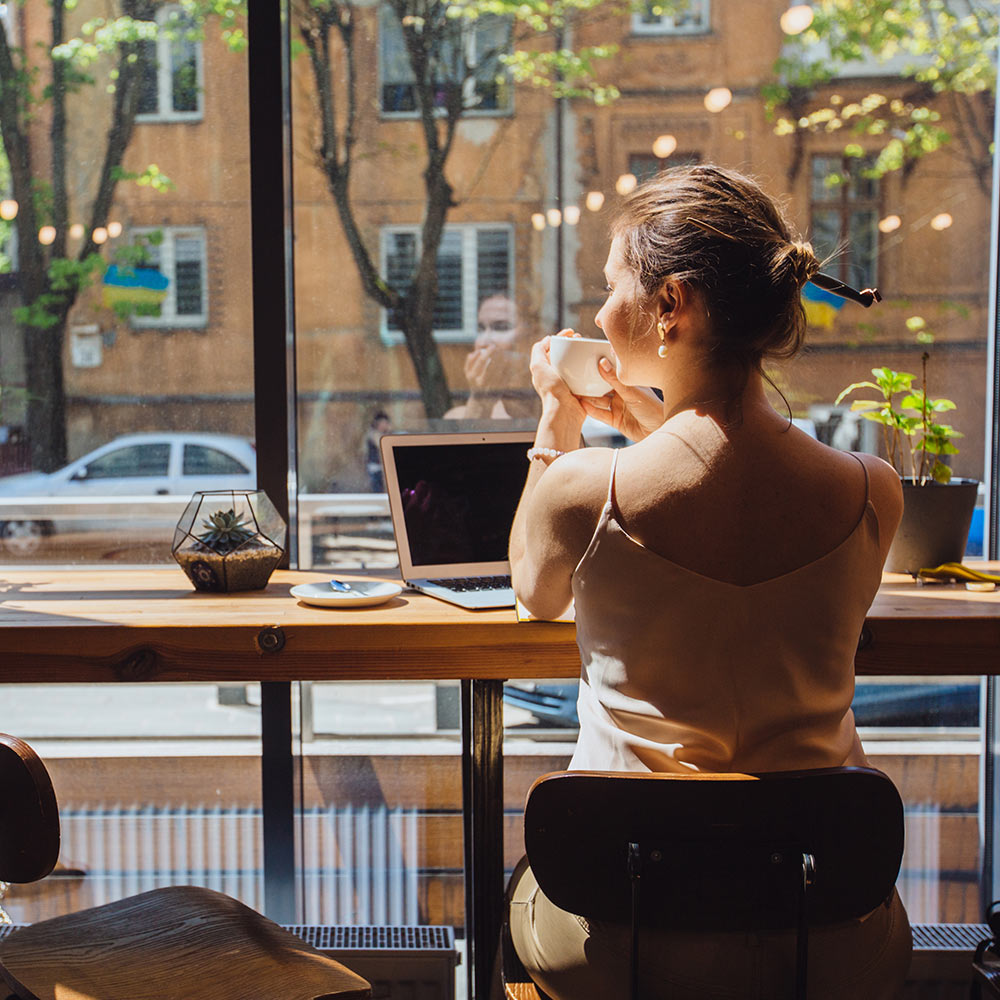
{"x":22,"y":538}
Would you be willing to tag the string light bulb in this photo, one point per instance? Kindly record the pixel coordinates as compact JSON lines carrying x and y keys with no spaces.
{"x":538,"y":221}
{"x":100,"y":235}
{"x":47,"y":235}
{"x":595,"y":200}
{"x":8,"y":209}
{"x":571,"y":215}
{"x":889,"y":224}
{"x":76,"y":231}
{"x":941,"y":221}
{"x":664,"y":146}
{"x":553,"y":217}
{"x":626,"y":183}
{"x":796,"y":19}
{"x":718,"y":99}
{"x":114,"y":230}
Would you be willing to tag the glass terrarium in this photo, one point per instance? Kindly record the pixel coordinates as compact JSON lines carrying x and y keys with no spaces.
{"x":229,"y":540}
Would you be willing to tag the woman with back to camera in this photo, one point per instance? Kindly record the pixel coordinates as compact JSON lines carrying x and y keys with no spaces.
{"x":721,"y":569}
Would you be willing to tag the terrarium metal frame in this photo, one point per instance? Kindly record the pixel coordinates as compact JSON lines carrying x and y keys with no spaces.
{"x":229,"y":540}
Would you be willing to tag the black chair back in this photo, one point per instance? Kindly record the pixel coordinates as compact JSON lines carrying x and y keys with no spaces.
{"x":29,"y":816}
{"x":716,"y":852}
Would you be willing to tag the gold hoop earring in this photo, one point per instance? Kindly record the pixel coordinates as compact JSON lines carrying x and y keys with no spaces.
{"x":662,"y":331}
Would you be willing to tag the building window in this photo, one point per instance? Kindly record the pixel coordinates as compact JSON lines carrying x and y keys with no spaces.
{"x":172,"y":74}
{"x":643,"y":166}
{"x":690,"y":18}
{"x":474,"y":262}
{"x":843,"y":216}
{"x":470,"y":58}
{"x":175,"y":275}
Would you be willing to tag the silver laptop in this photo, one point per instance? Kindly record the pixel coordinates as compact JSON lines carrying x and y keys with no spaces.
{"x":452,"y":497}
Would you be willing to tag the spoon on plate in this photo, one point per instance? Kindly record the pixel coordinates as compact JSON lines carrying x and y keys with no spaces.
{"x":342,"y":587}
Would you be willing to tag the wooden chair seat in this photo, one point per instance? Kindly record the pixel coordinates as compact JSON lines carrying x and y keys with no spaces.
{"x":172,"y":943}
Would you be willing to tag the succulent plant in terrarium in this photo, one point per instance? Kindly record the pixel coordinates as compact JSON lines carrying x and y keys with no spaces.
{"x":236,"y":546}
{"x":225,"y":530}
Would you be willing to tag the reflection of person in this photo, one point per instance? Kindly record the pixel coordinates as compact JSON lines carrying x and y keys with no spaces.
{"x":497,"y":366}
{"x":721,"y":569}
{"x":373,"y":460}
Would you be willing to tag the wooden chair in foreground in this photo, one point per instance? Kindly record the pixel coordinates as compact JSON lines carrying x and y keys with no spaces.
{"x":174,"y":943}
{"x":781,"y":851}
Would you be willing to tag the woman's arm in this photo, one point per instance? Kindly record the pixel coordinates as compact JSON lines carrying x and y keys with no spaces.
{"x":556,"y":512}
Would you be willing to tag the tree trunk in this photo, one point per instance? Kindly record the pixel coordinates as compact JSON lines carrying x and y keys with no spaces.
{"x":46,"y":396}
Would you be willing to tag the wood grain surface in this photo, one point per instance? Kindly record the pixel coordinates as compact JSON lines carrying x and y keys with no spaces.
{"x":176,"y":943}
{"x":148,"y":624}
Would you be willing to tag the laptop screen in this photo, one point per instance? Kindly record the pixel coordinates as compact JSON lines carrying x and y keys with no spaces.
{"x":456,"y":495}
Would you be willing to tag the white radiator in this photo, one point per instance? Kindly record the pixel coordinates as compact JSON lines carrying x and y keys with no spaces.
{"x":358,"y":864}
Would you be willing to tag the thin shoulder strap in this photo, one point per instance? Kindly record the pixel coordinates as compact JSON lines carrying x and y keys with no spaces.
{"x":864,"y":465}
{"x":611,"y":479}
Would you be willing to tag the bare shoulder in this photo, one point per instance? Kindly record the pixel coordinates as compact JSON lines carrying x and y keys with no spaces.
{"x":575,"y":486}
{"x":885,"y":491}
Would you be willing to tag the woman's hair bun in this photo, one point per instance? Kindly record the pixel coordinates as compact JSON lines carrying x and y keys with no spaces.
{"x":796,"y":261}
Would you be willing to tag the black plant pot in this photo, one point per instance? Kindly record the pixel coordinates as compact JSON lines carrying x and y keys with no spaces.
{"x":935,"y":525}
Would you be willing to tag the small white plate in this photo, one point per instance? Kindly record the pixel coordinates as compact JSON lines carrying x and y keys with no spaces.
{"x":362,"y":593}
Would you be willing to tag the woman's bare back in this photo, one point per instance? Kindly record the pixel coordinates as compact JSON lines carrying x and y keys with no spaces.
{"x":747,"y":504}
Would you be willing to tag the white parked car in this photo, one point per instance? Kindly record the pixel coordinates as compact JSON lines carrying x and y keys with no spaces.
{"x":169,"y":463}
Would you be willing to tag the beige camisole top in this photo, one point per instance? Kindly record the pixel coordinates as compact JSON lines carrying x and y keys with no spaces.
{"x":681,"y":672}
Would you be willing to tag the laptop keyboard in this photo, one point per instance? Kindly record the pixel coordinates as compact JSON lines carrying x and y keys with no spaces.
{"x":464,"y":584}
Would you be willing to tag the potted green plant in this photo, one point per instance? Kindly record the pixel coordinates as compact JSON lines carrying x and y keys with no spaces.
{"x":240,"y":543}
{"x":937,"y":507}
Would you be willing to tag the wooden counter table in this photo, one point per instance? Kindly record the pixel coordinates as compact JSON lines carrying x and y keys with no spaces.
{"x":65,"y":626}
{"x":107,"y":625}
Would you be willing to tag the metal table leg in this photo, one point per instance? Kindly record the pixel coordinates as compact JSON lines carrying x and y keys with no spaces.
{"x":482,"y":797}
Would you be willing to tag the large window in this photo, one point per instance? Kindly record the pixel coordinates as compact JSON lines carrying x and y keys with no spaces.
{"x":172,"y":78}
{"x":175,"y":270}
{"x":474,"y":262}
{"x":691,"y":17}
{"x":467,"y":66}
{"x":844,"y":217}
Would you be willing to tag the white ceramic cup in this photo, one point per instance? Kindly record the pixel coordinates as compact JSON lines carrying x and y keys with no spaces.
{"x":575,"y":359}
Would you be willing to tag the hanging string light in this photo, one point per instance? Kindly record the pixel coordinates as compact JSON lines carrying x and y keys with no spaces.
{"x":796,"y":19}
{"x":8,"y":209}
{"x":626,"y":183}
{"x":538,"y":221}
{"x":571,"y":215}
{"x":47,"y":235}
{"x":595,"y":200}
{"x":663,"y":146}
{"x":718,"y":99}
